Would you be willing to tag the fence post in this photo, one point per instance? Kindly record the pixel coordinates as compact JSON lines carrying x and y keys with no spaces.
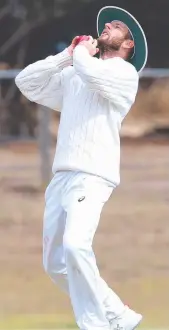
{"x":45,"y":142}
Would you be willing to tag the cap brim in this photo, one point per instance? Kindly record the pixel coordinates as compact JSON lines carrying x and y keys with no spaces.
{"x":111,"y":13}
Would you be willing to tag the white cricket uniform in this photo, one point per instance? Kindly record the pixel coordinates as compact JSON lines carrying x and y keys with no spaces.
{"x":94,"y":96}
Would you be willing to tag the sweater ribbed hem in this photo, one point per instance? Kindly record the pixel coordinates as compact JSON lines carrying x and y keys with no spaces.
{"x":58,"y":167}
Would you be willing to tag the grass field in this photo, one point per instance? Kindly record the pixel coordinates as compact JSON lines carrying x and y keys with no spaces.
{"x":131,"y":244}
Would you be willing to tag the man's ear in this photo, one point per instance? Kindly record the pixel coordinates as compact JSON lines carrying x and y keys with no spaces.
{"x":128,"y":44}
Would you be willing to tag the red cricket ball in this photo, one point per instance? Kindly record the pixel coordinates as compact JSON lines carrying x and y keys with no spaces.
{"x":81,"y":38}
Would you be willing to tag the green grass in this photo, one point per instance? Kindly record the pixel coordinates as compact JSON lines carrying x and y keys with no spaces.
{"x":37,"y":304}
{"x":47,"y":322}
{"x":24,"y":322}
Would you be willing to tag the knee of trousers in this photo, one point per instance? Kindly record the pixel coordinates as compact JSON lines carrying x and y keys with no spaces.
{"x":57,"y":274}
{"x":47,"y":265}
{"x":73,"y":248}
{"x":52,"y":267}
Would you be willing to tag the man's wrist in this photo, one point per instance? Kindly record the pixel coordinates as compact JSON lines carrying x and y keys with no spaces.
{"x":70,"y":50}
{"x":82,"y":47}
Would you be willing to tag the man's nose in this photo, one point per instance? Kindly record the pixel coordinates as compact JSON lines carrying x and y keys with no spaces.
{"x":108,"y":26}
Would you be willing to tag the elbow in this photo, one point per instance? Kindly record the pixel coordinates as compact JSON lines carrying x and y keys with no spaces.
{"x":22,"y":79}
{"x":23,"y":87}
{"x":18,"y":81}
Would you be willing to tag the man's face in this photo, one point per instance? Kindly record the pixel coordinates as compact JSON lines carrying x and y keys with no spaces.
{"x":113,"y":35}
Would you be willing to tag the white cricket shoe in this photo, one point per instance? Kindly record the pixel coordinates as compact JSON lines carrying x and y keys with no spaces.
{"x":128,"y":320}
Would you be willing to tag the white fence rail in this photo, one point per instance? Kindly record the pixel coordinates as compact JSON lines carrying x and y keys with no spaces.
{"x":146,"y":73}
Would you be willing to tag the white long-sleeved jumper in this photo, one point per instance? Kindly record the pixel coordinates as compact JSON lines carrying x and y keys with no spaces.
{"x":94,"y":96}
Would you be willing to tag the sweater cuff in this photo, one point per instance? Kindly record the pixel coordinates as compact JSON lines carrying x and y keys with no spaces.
{"x":80,"y":50}
{"x":64,"y":59}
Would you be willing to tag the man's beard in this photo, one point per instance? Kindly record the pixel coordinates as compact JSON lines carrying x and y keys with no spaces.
{"x":105,"y":47}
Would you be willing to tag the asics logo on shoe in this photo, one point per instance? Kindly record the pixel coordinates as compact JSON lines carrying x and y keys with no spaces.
{"x":118,"y":327}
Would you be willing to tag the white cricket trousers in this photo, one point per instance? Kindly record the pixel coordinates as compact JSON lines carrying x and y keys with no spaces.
{"x":74,"y":201}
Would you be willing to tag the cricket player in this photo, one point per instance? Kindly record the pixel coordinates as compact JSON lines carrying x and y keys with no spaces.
{"x":94,"y":95}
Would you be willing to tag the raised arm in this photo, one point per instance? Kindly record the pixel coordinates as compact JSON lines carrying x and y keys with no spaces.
{"x":42,"y":82}
{"x":114,"y":79}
